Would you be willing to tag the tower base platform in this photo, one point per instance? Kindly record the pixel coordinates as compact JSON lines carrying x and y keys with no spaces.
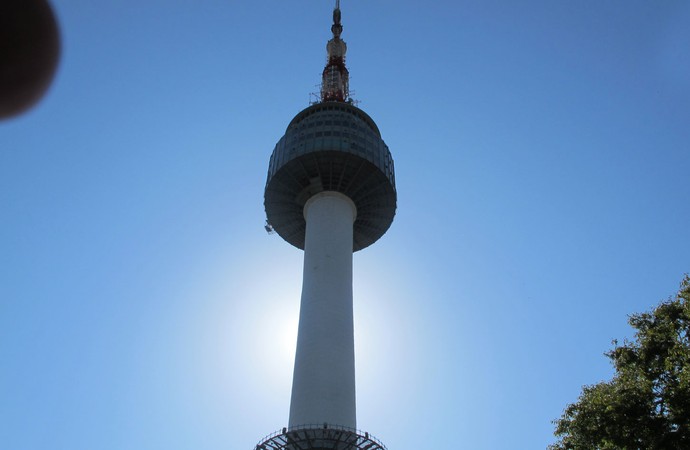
{"x":320,"y":437}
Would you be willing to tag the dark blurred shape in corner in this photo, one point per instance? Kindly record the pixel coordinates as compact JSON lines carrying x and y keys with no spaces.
{"x":29,"y":53}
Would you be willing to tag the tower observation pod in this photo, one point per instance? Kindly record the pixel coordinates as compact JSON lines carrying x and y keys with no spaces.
{"x":330,"y":191}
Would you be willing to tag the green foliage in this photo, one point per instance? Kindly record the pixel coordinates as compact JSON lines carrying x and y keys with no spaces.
{"x":647,"y":403}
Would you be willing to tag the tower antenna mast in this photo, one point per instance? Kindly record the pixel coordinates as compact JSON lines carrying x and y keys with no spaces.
{"x":335,"y":80}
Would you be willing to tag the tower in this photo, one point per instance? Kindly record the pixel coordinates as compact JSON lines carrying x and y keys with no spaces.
{"x":330,"y":191}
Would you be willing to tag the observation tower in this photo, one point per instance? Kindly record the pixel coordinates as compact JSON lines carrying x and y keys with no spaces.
{"x":330,"y":191}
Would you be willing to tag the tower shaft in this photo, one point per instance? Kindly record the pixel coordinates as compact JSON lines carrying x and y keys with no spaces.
{"x":323,"y":386}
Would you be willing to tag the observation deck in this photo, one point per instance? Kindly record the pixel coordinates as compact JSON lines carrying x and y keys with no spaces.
{"x":331,"y":146}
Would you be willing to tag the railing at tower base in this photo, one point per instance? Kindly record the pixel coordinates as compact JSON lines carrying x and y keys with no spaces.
{"x":319,"y":437}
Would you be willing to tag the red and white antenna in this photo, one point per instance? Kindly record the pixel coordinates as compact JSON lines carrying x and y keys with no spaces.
{"x":335,"y":81}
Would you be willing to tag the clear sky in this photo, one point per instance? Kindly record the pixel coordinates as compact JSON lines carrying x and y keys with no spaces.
{"x":542,"y":156}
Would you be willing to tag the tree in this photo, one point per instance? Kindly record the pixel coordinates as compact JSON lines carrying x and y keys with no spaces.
{"x":647,"y":403}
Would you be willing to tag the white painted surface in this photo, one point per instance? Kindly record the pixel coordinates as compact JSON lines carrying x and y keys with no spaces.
{"x":323,"y":385}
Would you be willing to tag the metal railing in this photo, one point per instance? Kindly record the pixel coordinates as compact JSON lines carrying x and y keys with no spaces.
{"x":320,"y":437}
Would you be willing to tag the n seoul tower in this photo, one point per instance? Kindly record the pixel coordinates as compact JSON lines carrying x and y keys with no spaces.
{"x":330,"y":191}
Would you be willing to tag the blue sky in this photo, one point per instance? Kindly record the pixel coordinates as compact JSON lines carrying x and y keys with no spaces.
{"x":542,"y":155}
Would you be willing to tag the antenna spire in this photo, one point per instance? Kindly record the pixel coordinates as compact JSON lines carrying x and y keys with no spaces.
{"x":335,"y":80}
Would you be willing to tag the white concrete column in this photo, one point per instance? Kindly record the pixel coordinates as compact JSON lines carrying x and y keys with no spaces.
{"x":323,"y":384}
